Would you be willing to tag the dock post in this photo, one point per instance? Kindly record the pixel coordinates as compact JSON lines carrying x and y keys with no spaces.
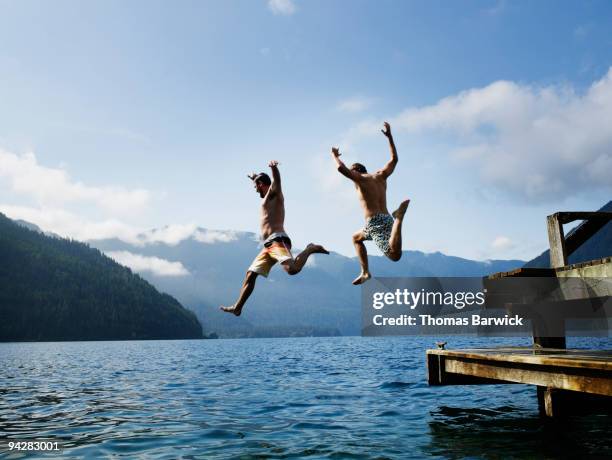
{"x":435,"y":367}
{"x":558,"y":258}
{"x":556,"y":239}
{"x":549,"y":403}
{"x":554,"y":402}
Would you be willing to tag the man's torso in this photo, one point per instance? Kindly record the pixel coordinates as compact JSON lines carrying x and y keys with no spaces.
{"x":372,"y":191}
{"x":272,"y":214}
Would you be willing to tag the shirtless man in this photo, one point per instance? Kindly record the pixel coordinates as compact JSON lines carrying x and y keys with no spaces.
{"x":277,"y":245}
{"x":386,"y":231}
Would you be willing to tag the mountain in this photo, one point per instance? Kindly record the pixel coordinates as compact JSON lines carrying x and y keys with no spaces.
{"x":596,"y":247}
{"x":28,"y":225}
{"x":319,"y":301}
{"x":57,"y":289}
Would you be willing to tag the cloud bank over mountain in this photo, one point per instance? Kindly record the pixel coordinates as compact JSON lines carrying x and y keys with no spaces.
{"x":153,"y":265}
{"x":203,"y":275}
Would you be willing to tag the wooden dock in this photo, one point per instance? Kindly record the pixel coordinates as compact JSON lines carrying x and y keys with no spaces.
{"x":567,"y":381}
{"x":556,"y":372}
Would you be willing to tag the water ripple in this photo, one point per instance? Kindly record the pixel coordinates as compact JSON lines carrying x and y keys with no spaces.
{"x":352,"y":397}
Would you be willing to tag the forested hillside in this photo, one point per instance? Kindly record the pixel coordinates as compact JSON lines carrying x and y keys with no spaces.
{"x":58,"y":289}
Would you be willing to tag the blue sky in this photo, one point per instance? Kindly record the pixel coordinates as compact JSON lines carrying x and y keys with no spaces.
{"x":117,"y":117}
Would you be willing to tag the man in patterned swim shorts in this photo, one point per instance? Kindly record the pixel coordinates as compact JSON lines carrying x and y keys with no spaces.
{"x":277,"y":245}
{"x":381,"y":227}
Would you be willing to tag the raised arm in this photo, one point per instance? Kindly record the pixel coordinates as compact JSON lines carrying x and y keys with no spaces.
{"x":390,"y":166}
{"x":276,"y":178}
{"x":342,"y":167}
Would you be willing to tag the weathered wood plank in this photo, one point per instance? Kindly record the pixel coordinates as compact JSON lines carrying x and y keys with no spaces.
{"x":587,"y":359}
{"x":560,"y":247}
{"x":556,"y":239}
{"x":523,"y":272}
{"x":597,"y":267}
{"x":565,"y":217}
{"x":585,"y":230}
{"x":436,"y":374}
{"x":583,"y":380}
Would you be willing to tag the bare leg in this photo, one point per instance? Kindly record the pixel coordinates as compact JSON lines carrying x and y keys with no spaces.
{"x":294,"y":266}
{"x":395,"y":240}
{"x":362,"y":254}
{"x":247,"y":288}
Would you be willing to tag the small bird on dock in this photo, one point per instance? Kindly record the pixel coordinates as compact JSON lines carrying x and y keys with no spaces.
{"x":441,"y":345}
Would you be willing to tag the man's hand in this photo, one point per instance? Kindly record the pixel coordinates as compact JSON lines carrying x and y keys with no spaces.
{"x":387,"y":130}
{"x":276,"y":177}
{"x":342,"y":169}
{"x":390,"y":166}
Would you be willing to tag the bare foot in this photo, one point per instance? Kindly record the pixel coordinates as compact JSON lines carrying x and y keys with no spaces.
{"x":316,"y":249}
{"x":399,"y":212}
{"x":362,"y":278}
{"x":232,"y":309}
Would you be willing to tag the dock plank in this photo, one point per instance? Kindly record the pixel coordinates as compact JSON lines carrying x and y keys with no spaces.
{"x":588,"y":371}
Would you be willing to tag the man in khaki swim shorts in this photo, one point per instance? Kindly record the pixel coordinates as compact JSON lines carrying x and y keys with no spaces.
{"x":277,"y":245}
{"x":381,"y":227}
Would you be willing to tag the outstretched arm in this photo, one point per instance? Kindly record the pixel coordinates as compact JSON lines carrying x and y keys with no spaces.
{"x":276,"y":178}
{"x":390,"y":166}
{"x":341,"y":166}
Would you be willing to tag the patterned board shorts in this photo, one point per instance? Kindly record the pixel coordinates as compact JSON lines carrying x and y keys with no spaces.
{"x":378,"y":229}
{"x":275,"y":250}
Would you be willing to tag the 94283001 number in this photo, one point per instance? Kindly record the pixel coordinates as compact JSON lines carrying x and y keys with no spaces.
{"x":31,"y":446}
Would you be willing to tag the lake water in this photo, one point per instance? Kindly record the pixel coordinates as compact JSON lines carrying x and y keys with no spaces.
{"x":346,"y":397}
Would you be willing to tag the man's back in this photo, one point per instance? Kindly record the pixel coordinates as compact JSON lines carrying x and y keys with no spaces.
{"x":372,"y":191}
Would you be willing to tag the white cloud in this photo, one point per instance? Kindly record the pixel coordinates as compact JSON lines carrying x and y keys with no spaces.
{"x":215,"y":236}
{"x":154,"y":265}
{"x":284,"y":7}
{"x":54,"y":186}
{"x":502,"y":243}
{"x":174,"y":234}
{"x":170,"y":234}
{"x":354,"y":104}
{"x":536,"y":143}
{"x":67,"y":224}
